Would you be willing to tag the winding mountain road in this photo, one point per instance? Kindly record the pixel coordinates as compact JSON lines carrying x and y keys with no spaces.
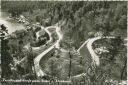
{"x":38,"y":70}
{"x":88,"y":43}
{"x":95,"y":57}
{"x":37,"y":34}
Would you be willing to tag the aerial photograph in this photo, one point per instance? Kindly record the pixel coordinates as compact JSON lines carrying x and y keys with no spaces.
{"x":63,"y":42}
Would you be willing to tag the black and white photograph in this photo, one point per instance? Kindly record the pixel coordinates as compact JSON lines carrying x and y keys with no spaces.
{"x":54,"y":42}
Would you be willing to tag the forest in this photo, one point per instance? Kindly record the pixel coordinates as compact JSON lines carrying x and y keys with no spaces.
{"x":84,"y":20}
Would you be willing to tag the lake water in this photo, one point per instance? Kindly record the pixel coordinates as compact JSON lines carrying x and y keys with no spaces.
{"x":10,"y":24}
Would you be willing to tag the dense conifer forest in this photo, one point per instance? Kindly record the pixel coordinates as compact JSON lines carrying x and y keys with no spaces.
{"x":83,"y":20}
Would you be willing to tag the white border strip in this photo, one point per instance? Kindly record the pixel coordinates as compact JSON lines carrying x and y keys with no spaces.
{"x":64,"y":0}
{"x":127,"y":42}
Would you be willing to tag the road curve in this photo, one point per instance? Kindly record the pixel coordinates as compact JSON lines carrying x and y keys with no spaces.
{"x":95,"y":57}
{"x":37,"y":34}
{"x":27,"y":46}
{"x":89,"y":43}
{"x":38,"y":70}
